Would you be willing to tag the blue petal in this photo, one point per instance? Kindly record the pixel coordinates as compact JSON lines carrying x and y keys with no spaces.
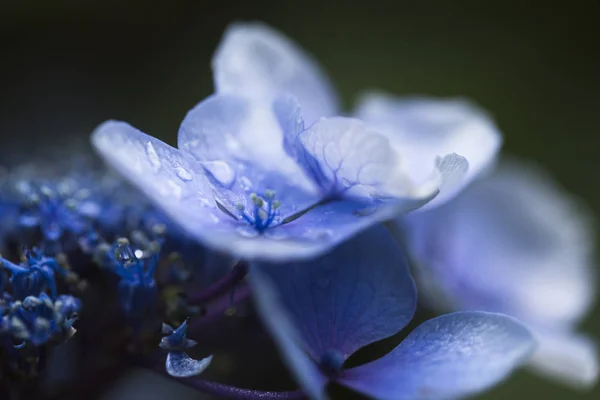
{"x":180,"y":365}
{"x":260,"y":63}
{"x":348,"y":159}
{"x":359,"y":293}
{"x":535,"y":260}
{"x":288,"y":340}
{"x":567,"y":357}
{"x":448,"y":357}
{"x":239,"y":144}
{"x":422,"y":129}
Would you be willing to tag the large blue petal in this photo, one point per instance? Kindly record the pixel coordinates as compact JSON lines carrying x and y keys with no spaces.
{"x":358,"y":293}
{"x":447,"y":357}
{"x":513,"y":243}
{"x":280,"y":324}
{"x":179,"y":187}
{"x":260,"y":63}
{"x":240,"y":146}
{"x":422,"y":129}
{"x":347,"y":158}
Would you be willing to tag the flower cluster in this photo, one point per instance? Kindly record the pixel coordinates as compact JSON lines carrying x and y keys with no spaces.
{"x":33,"y":317}
{"x":320,"y":218}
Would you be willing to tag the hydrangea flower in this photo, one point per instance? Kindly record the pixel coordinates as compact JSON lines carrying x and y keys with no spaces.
{"x":31,"y":320}
{"x":322,"y":312}
{"x":34,"y":275}
{"x":515,"y":243}
{"x":258,"y":62}
{"x":266,"y":170}
{"x":57,"y":205}
{"x":135,"y":268}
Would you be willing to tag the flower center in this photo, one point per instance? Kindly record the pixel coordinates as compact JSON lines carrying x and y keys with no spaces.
{"x":262,"y":212}
{"x":332,"y":362}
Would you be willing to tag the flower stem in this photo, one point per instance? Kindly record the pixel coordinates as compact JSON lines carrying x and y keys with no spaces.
{"x":220,"y":287}
{"x":232,"y":392}
{"x":229,"y":392}
{"x":220,"y":306}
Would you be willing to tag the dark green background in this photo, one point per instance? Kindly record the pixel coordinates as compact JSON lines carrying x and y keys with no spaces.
{"x":67,"y":66}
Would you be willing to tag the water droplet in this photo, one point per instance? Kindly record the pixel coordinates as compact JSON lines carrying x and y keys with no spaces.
{"x":206,"y":202}
{"x":183,"y":174}
{"x":152,"y":156}
{"x":346,"y":182}
{"x":221,"y":171}
{"x":247,"y":231}
{"x":245,"y":183}
{"x":323,"y":282}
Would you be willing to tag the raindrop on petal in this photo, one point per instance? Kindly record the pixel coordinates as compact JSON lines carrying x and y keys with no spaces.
{"x":152,"y":156}
{"x":183,"y":174}
{"x":221,"y":172}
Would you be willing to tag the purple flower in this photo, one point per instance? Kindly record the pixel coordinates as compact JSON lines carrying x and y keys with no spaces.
{"x":515,"y":243}
{"x":321,"y":312}
{"x":251,"y":178}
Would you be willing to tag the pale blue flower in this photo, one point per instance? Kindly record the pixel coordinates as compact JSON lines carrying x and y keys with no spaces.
{"x":253,"y":177}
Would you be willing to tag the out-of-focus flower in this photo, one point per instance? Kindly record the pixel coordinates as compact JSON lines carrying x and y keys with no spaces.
{"x":31,"y":321}
{"x":321,"y":312}
{"x":514,"y":243}
{"x":264,"y":171}
{"x":135,"y":268}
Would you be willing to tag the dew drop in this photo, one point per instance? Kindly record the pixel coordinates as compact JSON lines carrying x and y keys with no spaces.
{"x":221,"y":171}
{"x":183,"y":174}
{"x":206,"y":202}
{"x":152,"y":156}
{"x":245,"y":183}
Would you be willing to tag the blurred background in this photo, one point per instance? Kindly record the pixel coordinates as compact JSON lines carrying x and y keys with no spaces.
{"x":66,"y":66}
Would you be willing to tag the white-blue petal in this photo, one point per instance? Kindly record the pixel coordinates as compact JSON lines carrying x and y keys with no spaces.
{"x":258,"y":62}
{"x":180,"y":365}
{"x":447,"y":357}
{"x":239,"y":144}
{"x":422,"y":129}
